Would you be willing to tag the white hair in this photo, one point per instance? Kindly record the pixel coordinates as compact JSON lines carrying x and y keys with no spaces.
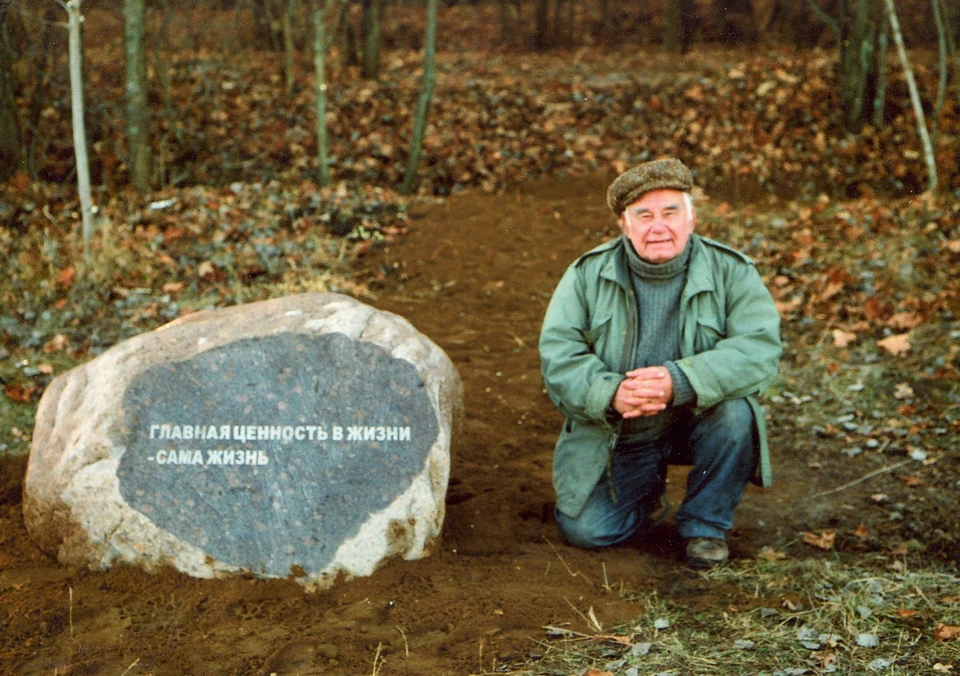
{"x":688,"y":202}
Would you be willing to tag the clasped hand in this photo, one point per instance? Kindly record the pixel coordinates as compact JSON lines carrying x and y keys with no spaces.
{"x":646,"y":391}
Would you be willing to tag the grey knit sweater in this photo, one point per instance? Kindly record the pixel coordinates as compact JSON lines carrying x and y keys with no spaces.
{"x":658,"y":288}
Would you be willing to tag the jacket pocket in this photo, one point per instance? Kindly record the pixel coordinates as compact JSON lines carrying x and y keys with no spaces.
{"x":594,"y":334}
{"x":709,"y":333}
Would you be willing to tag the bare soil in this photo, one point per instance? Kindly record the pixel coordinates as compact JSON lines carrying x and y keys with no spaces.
{"x":474,"y":273}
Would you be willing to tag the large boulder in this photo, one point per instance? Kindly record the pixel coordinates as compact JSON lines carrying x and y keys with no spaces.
{"x":306,"y":436}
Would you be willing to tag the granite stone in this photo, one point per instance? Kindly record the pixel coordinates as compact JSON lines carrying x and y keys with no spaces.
{"x":306,"y":436}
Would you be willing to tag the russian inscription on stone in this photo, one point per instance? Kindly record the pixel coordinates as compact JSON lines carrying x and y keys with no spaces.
{"x":306,"y":449}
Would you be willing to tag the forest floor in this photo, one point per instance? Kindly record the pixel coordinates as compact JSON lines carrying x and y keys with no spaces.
{"x":848,"y":564}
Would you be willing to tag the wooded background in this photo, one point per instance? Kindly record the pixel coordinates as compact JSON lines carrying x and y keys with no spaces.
{"x":168,"y":83}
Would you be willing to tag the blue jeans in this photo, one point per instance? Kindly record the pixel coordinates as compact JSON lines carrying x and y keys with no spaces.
{"x":720,"y":443}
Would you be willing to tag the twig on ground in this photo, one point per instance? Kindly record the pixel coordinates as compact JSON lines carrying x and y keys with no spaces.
{"x":572,"y":572}
{"x":377,"y":660}
{"x":869,"y":475}
{"x":127,"y":670}
{"x":406,"y":646}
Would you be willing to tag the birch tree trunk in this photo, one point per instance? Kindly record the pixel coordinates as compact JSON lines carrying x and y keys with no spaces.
{"x":914,"y":98}
{"x":139,"y":158}
{"x":426,"y":92}
{"x":74,"y":21}
{"x":321,"y":44}
{"x":320,"y":66}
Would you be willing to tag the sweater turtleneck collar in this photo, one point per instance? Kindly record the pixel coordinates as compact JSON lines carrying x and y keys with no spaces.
{"x":646,"y":270}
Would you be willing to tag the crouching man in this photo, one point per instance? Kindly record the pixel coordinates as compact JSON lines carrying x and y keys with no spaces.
{"x":654,"y":347}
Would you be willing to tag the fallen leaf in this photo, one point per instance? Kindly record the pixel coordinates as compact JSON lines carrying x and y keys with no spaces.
{"x":786,"y":307}
{"x":19,"y":393}
{"x":946,"y":632}
{"x":910,"y":481}
{"x":66,"y":276}
{"x":771,"y":554}
{"x":896,"y":344}
{"x":57,"y":343}
{"x":20,"y":181}
{"x":906,"y":612}
{"x":45,"y":369}
{"x":843,"y":338}
{"x":172,"y":287}
{"x":905,"y":320}
{"x":862,"y":532}
{"x":595,"y":672}
{"x":823,"y":541}
{"x":903,"y":391}
{"x":206,"y":269}
{"x":940,"y":666}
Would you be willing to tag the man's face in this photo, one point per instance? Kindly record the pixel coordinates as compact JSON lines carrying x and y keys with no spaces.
{"x":658,"y":224}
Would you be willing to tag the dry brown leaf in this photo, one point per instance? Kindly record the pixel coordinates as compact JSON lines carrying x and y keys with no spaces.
{"x":903,"y":391}
{"x":206,"y":269}
{"x":862,"y":531}
{"x":66,"y":276}
{"x":785,"y":307}
{"x":823,"y":541}
{"x":896,"y":344}
{"x":55,"y":344}
{"x":843,"y":338}
{"x":905,"y":320}
{"x":771,"y":554}
{"x":20,"y":393}
{"x":946,"y":632}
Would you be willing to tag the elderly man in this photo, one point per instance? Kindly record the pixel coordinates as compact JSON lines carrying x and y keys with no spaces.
{"x":654,"y":347}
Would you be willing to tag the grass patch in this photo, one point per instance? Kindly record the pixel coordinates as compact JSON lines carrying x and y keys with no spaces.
{"x":779,"y":618}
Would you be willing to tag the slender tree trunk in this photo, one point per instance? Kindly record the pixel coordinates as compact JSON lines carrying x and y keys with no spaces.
{"x":289,"y":50}
{"x":541,"y":24}
{"x":11,"y":143}
{"x":856,"y":29}
{"x":320,"y":42}
{"x":672,"y":27}
{"x":426,"y":92}
{"x":139,"y":160}
{"x":372,"y":26}
{"x":914,"y":97}
{"x":74,"y":20}
{"x":942,"y":85}
{"x":880,"y":99}
{"x":557,"y":23}
{"x":321,"y":45}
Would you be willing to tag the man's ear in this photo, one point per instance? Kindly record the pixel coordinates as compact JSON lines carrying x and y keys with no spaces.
{"x":623,"y":222}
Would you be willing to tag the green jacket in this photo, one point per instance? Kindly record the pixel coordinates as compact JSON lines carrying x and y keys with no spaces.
{"x":729,"y":345}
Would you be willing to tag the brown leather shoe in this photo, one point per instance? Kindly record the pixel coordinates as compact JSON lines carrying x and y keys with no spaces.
{"x":706,"y":552}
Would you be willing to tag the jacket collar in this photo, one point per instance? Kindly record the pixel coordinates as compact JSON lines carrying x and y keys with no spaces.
{"x":616,"y":269}
{"x":699,"y":278}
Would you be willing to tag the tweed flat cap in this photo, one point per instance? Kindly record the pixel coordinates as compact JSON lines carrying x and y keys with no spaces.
{"x":631,"y":184}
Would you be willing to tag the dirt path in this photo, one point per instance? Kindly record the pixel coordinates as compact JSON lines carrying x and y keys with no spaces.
{"x":474,"y":274}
